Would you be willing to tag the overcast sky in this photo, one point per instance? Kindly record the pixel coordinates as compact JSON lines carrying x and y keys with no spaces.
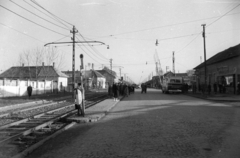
{"x":129,"y":27}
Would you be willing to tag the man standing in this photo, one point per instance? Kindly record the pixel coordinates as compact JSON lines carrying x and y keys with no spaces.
{"x":29,"y":90}
{"x":79,"y":98}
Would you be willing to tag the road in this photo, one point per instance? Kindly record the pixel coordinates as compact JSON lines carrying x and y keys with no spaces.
{"x":153,"y":125}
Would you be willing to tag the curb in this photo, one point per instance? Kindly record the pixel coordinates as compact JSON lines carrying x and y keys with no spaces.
{"x":214,"y":100}
{"x":35,"y":146}
{"x":93,"y":117}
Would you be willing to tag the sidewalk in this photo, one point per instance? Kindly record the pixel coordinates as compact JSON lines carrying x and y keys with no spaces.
{"x":216,"y":97}
{"x":96,"y":112}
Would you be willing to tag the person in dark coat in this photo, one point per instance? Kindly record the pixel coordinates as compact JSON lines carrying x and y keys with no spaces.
{"x":125,"y":88}
{"x":29,"y":90}
{"x":115,"y":92}
{"x":215,"y":87}
{"x":209,"y":89}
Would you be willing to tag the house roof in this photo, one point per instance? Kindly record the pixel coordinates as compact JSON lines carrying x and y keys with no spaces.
{"x":221,"y":56}
{"x":31,"y":72}
{"x":103,"y":71}
{"x":98,"y":74}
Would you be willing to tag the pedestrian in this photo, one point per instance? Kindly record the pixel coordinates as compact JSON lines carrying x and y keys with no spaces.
{"x":78,"y":99}
{"x":115,"y":92}
{"x":209,"y":89}
{"x":145,"y":88}
{"x":215,"y":87}
{"x":125,"y":90}
{"x":29,"y":90}
{"x":142,"y":86}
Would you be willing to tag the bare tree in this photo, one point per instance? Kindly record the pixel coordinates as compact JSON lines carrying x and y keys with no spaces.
{"x":53,"y":55}
{"x":21,"y":59}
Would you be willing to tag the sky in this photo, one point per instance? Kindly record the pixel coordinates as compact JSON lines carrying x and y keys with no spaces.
{"x":129,"y":27}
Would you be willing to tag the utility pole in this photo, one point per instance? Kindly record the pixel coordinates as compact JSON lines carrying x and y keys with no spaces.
{"x":174,"y":65}
{"x":74,"y":31}
{"x":111,"y":69}
{"x":83,"y":91}
{"x":205,"y":64}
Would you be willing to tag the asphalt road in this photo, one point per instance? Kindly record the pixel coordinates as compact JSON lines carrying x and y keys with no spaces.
{"x":153,"y":125}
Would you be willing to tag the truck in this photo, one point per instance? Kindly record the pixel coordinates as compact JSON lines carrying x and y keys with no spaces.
{"x":172,"y":84}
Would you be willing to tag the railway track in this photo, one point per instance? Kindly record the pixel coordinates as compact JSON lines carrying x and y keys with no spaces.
{"x":22,"y":133}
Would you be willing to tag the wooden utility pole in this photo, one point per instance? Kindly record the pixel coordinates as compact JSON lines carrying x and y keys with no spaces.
{"x":83,"y":91}
{"x":205,"y":64}
{"x":74,"y":31}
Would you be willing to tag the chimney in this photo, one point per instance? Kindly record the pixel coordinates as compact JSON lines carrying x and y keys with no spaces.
{"x":22,"y":64}
{"x":53,"y":64}
{"x":42,"y":63}
{"x":92,"y":66}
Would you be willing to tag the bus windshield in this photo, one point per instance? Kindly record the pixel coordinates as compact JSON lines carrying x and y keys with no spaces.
{"x":175,"y":81}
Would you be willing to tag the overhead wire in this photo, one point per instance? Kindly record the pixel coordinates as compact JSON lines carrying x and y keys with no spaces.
{"x":206,"y":26}
{"x":38,"y":15}
{"x":98,"y":53}
{"x":90,"y":51}
{"x":158,"y":27}
{"x":223,"y":15}
{"x":22,"y":32}
{"x":57,"y":18}
{"x":31,"y":21}
{"x":46,"y":14}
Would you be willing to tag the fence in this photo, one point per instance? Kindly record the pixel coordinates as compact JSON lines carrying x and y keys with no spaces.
{"x":19,"y":87}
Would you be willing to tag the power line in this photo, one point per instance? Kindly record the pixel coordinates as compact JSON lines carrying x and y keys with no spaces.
{"x":94,"y":48}
{"x":31,"y":21}
{"x":223,"y":15}
{"x":91,"y":52}
{"x":22,"y":33}
{"x":50,"y":12}
{"x":158,"y":27}
{"x":105,"y":59}
{"x":87,"y":53}
{"x":37,"y":15}
{"x":46,"y":14}
{"x":208,"y":25}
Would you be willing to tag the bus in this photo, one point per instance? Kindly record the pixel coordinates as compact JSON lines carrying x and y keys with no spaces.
{"x":172,"y":84}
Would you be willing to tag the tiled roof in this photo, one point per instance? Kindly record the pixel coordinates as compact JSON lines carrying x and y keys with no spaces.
{"x":221,"y":56}
{"x":98,"y":74}
{"x":102,"y":72}
{"x":29,"y":72}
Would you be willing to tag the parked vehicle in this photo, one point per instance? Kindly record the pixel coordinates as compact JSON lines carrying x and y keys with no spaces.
{"x":172,"y":84}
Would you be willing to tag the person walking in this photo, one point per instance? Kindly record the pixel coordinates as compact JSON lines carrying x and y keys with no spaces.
{"x":115,"y":92}
{"x":125,"y":88}
{"x":29,"y":90}
{"x":142,"y":86}
{"x":78,"y":100}
{"x":215,"y":87}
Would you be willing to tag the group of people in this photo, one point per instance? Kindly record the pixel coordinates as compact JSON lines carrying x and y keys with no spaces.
{"x":144,"y":88}
{"x":120,"y":89}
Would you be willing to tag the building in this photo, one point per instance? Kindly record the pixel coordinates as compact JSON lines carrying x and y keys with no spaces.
{"x":15,"y":80}
{"x":91,"y":79}
{"x":223,"y":69}
{"x":109,"y":75}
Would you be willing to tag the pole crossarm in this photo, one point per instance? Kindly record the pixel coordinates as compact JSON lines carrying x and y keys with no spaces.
{"x":75,"y":42}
